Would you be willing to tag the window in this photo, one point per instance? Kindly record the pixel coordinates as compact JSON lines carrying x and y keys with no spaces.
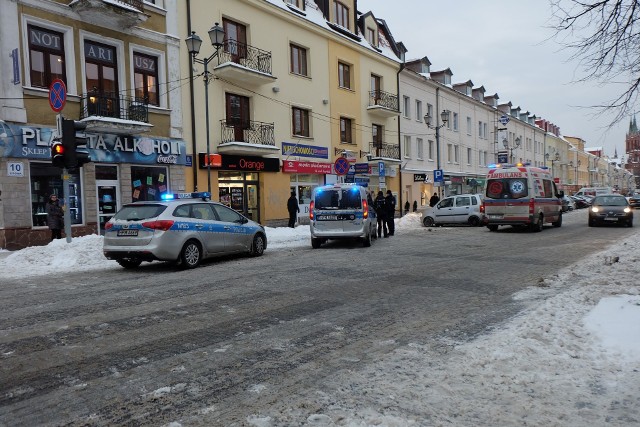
{"x":407,"y":146}
{"x":430,"y":111}
{"x":468,"y":125}
{"x":300,"y":122}
{"x":420,"y":148}
{"x":237,"y":115}
{"x":418,"y":110}
{"x":298,"y":60}
{"x":101,"y":69}
{"x":46,"y":56}
{"x":469,"y":156}
{"x":297,"y":3}
{"x":344,"y":75}
{"x":341,"y":14}
{"x":376,"y":133}
{"x":148,"y":183}
{"x":371,"y":36}
{"x":235,"y":35}
{"x":407,"y":106}
{"x":145,"y":72}
{"x":449,"y":153}
{"x":455,"y":122}
{"x":484,"y":128}
{"x":45,"y":181}
{"x":345,"y":130}
{"x":456,"y":154}
{"x":376,"y":84}
{"x":430,"y":149}
{"x":480,"y":128}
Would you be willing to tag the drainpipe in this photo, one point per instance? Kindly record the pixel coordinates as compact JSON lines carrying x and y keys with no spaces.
{"x":399,"y":140}
{"x":194,"y":147}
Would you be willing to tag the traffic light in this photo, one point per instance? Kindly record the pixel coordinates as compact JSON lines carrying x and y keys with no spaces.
{"x":57,"y":153}
{"x":75,"y":154}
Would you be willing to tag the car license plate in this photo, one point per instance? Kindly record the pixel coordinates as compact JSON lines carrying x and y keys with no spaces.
{"x":327,"y":217}
{"x":495,"y":216}
{"x":611,"y":219}
{"x":127,"y":232}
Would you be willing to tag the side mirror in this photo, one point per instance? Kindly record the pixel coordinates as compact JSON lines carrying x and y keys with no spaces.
{"x":561,"y":193}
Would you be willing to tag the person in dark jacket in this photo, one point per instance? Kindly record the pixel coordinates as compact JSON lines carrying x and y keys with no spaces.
{"x":390,"y":204}
{"x":381,"y":214}
{"x":55,"y":217}
{"x":293,"y":208}
{"x":433,"y":200}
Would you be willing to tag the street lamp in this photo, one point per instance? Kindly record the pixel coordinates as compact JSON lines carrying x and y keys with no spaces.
{"x":444,"y":116}
{"x":517,"y":143}
{"x":575,"y":168}
{"x":556,"y":158}
{"x":216,"y":34}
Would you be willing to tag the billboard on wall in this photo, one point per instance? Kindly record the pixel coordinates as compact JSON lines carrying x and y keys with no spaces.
{"x":30,"y":142}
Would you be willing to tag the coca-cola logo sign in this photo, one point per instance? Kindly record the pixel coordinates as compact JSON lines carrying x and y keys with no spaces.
{"x":171,"y":159}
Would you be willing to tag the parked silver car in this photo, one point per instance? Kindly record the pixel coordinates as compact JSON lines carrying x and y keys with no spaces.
{"x":185,"y":228}
{"x":459,"y":209}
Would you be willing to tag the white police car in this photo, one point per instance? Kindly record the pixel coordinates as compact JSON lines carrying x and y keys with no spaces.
{"x":185,"y":228}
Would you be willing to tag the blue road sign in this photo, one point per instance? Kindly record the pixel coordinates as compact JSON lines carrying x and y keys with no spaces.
{"x":381,"y":171}
{"x":504,"y":119}
{"x":341,"y":166}
{"x":57,"y":95}
{"x":438,"y":176}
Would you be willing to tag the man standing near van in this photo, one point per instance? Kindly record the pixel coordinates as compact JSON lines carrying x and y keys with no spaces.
{"x":390,"y":204}
{"x":434,"y":200}
{"x":381,"y":214}
{"x":293,"y":208}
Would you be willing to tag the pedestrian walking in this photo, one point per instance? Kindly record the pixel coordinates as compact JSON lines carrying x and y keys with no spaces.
{"x":55,"y":217}
{"x":434,"y":200}
{"x":381,"y":214}
{"x":293,"y":208}
{"x":390,"y":205}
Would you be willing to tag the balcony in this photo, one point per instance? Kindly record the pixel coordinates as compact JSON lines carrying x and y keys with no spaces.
{"x":244,"y":64}
{"x":246,"y":137}
{"x":383,"y":151}
{"x":122,"y":14}
{"x":121,"y":115}
{"x":383,"y":104}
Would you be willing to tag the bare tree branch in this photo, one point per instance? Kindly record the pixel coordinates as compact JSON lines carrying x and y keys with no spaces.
{"x":604,"y":37}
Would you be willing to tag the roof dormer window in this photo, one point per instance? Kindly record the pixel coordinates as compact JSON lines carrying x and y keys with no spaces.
{"x":371,"y":36}
{"x":341,"y":14}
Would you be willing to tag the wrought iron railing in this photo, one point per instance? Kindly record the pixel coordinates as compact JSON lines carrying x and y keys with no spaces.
{"x":138,"y":4}
{"x":246,"y":55}
{"x":383,"y":99}
{"x":248,"y":131}
{"x":117,"y":107}
{"x":381,"y":149}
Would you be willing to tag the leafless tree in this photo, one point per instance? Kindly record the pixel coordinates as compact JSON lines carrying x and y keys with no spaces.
{"x":604,"y":36}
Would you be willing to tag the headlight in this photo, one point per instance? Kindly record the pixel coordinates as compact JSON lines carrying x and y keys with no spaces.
{"x":627,"y":210}
{"x":594,"y":209}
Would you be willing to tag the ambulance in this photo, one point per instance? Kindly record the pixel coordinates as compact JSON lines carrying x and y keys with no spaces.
{"x":521,"y":196}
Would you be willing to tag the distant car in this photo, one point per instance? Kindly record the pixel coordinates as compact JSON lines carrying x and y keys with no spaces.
{"x":611,"y":209}
{"x":634,"y":200}
{"x":458,"y":209}
{"x":581,"y":202}
{"x":185,"y":228}
{"x":568,"y":204}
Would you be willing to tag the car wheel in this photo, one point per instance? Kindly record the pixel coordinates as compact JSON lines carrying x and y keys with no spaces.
{"x":257,"y":247}
{"x":366,"y":241}
{"x":315,"y":243}
{"x":558,"y":223}
{"x":474,"y":221}
{"x":428,"y":222}
{"x":191,"y":254}
{"x":129,"y":262}
{"x":492,"y":227}
{"x":537,"y":226}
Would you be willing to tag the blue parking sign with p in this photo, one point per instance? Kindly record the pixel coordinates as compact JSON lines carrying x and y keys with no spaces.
{"x":438,"y":176}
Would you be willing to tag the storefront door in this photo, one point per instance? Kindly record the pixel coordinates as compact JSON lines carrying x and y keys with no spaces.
{"x":240,"y":193}
{"x":108,"y":196}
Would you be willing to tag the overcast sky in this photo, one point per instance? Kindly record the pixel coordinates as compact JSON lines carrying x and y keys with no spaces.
{"x":504,"y":46}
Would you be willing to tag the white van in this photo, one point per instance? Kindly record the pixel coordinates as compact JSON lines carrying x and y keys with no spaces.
{"x":521,"y":196}
{"x":594,"y":191}
{"x":341,"y":211}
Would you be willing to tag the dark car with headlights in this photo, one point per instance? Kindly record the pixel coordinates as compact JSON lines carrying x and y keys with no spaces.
{"x":185,"y":228}
{"x":634,"y":200}
{"x":610,"y":209}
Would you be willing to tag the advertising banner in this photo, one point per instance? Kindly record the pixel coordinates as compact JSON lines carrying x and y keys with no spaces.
{"x":318,"y":168}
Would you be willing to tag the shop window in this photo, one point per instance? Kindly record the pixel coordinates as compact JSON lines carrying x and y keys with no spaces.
{"x":148,"y":183}
{"x":45,"y":181}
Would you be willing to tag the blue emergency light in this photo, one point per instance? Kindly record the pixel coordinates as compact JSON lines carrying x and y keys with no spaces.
{"x":204,"y":195}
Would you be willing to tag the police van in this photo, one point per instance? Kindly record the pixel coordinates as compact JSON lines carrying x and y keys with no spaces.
{"x":521,"y":195}
{"x":341,"y":211}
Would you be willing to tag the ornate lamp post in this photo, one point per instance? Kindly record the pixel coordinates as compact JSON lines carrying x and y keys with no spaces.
{"x":216,"y":34}
{"x":444,"y":116}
